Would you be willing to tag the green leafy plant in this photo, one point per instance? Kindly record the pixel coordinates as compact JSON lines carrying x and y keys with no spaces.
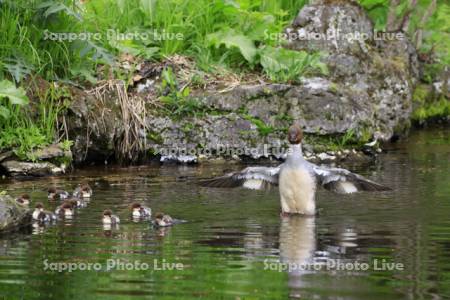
{"x":66,"y":145}
{"x":437,"y":109}
{"x":16,"y":96}
{"x":285,"y":65}
{"x":346,"y":139}
{"x":263,"y":128}
{"x":23,"y":128}
{"x":231,"y":39}
{"x":177,"y":101}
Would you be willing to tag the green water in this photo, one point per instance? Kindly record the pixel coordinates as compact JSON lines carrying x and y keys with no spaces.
{"x":234,"y":239}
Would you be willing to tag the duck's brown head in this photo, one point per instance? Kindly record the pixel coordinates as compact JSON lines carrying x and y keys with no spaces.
{"x":67,"y":205}
{"x":295,"y":134}
{"x":107,"y":212}
{"x":159,"y":216}
{"x":24,"y":199}
{"x":70,"y":202}
{"x":39,"y":205}
{"x":135,"y":205}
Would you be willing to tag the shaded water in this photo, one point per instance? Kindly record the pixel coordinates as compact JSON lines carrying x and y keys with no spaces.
{"x":235,"y":238}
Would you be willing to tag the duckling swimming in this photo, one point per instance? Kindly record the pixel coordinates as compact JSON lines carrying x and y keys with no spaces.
{"x":76,"y":202}
{"x":109,"y":218}
{"x":66,"y":209}
{"x":163,"y":220}
{"x":55,"y":194}
{"x":83,"y":190}
{"x":140,"y":211}
{"x":23,"y":200}
{"x":41,"y":215}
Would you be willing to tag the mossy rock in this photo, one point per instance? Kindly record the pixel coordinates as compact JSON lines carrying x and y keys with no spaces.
{"x":12,"y":215}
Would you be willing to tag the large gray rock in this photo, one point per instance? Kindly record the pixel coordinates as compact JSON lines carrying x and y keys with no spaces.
{"x":23,"y":168}
{"x":332,"y":26}
{"x":12,"y":215}
{"x":50,"y":160}
{"x":374,"y":75}
{"x":51,"y":152}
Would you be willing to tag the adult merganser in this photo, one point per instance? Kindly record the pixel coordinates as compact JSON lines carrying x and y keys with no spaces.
{"x":66,"y":209}
{"x":109,"y":218}
{"x":54,"y":194}
{"x":140,"y":211}
{"x":163,"y":220}
{"x":297,"y":179}
{"x":83,"y":190}
{"x":39,"y":214}
{"x":23,"y":200}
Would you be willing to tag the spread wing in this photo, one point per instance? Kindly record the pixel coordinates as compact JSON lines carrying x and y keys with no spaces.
{"x":344,"y":182}
{"x":254,"y":178}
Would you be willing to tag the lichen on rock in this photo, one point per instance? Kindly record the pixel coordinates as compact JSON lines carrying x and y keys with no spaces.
{"x":12,"y":215}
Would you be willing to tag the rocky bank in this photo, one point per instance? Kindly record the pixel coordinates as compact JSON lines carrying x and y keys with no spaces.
{"x":367,"y":93}
{"x":366,"y":96}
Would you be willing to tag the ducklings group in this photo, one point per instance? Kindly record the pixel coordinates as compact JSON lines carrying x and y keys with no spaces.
{"x":79,"y":199}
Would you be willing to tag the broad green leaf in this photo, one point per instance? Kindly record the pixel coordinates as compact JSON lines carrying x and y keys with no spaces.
{"x":53,"y":7}
{"x":149,"y":52}
{"x":84,"y":72}
{"x":14,"y":94}
{"x":230,"y":39}
{"x":287,"y":65}
{"x":17,"y":70}
{"x":4,"y":112}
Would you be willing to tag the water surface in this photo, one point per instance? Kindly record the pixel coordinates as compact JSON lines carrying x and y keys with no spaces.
{"x":235,"y":244}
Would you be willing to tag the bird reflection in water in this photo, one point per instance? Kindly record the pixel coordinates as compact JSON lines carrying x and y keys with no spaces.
{"x":297,"y":248}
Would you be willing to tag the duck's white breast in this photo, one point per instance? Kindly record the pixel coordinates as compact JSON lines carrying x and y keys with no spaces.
{"x":297,"y":191}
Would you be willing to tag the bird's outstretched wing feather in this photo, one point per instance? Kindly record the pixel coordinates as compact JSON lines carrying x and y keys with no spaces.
{"x":344,"y":182}
{"x":255,"y":178}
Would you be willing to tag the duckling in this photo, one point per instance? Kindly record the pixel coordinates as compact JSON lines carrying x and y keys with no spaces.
{"x":23,"y":200}
{"x":39,"y":214}
{"x":76,"y":202}
{"x":140,"y":211}
{"x":163,"y":220}
{"x":109,"y":218}
{"x":54,"y":194}
{"x":83,"y":190}
{"x":66,"y":209}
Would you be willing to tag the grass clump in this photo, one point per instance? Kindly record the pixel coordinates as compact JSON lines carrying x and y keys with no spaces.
{"x":216,"y":33}
{"x":429,"y":106}
{"x":263,"y":128}
{"x":27,"y":45}
{"x":435,"y":110}
{"x":347,"y":140}
{"x":25,"y":128}
{"x":176,"y":100}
